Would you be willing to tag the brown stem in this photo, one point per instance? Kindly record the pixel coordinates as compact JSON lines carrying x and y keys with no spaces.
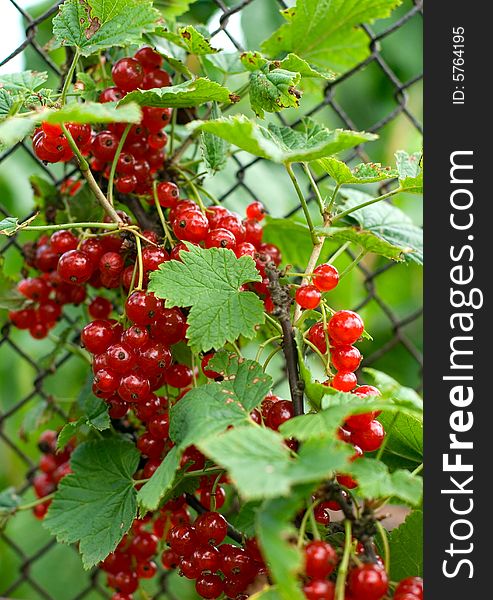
{"x":282,"y":302}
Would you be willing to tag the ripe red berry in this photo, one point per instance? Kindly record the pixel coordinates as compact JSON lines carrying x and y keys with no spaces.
{"x":345,"y":358}
{"x":100,"y":308}
{"x":245,"y":249}
{"x":207,"y":558}
{"x":75,"y":266}
{"x":170,"y":559}
{"x":211,"y":528}
{"x":154,"y":359}
{"x":34,"y":288}
{"x":156,"y":78}
{"x":120,"y":358}
{"x":104,"y":146}
{"x":410,"y":588}
{"x":152,"y":257}
{"x":126,"y":582}
{"x":255,"y":210}
{"x":146,"y":570}
{"x":319,"y":589}
{"x":279,"y":413}
{"x":144,"y":545}
{"x":253,"y":232}
{"x":220,"y":238}
{"x":158,"y":426}
{"x":111,"y":94}
{"x":168,"y":194}
{"x":235,"y":561}
{"x":142,"y":308}
{"x":126,"y":184}
{"x":191,"y":226}
{"x":97,"y":336}
{"x":317,"y":336}
{"x":233,"y":224}
{"x":209,"y":586}
{"x":369,"y":439}
{"x":182,"y":539}
{"x":320,"y":559}
{"x":134,"y":388}
{"x":111,"y":263}
{"x":128,"y":74}
{"x":63,"y":241}
{"x":345,"y":327}
{"x":344,"y":381}
{"x":367,"y":582}
{"x":150,"y":446}
{"x":149,"y":58}
{"x":208,"y":372}
{"x":321,"y":513}
{"x":307,"y":296}
{"x":207,"y":497}
{"x":169,"y":327}
{"x":325,"y":277}
{"x":179,"y":376}
{"x":155,"y":118}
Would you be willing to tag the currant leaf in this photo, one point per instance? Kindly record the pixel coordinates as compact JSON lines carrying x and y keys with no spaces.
{"x":170,"y":9}
{"x":184,"y":95}
{"x":326,"y":32}
{"x":406,"y":547}
{"x":272,"y":90}
{"x":209,"y":281}
{"x":25,"y":82}
{"x":309,"y":141}
{"x":409,"y":167}
{"x":151,"y":493}
{"x":362,"y":173}
{"x":214,"y":149}
{"x":96,"y":504}
{"x":293,"y":62}
{"x":190,"y":39}
{"x":95,"y":112}
{"x":6,"y":103}
{"x":291,"y":237}
{"x":92,"y":25}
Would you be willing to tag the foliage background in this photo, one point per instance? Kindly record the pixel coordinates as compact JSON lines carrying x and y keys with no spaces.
{"x":362,"y":100}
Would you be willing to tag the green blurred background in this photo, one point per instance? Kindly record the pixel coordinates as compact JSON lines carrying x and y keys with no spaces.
{"x":366,"y":97}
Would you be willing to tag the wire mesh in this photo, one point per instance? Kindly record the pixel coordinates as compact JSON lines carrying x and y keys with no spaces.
{"x":25,"y":581}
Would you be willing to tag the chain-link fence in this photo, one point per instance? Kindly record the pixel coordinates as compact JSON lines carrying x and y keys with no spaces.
{"x":25,"y":562}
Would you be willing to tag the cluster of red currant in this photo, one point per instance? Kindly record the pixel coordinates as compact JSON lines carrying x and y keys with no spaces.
{"x":142,"y":154}
{"x":410,"y":588}
{"x":53,"y":466}
{"x":320,"y":561}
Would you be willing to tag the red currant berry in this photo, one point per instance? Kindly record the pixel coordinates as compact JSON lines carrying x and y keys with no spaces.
{"x":97,"y":336}
{"x":233,"y":224}
{"x":128,"y":74}
{"x":155,"y":118}
{"x":150,"y":446}
{"x":220,"y":238}
{"x":134,"y":388}
{"x":100,"y":308}
{"x":317,"y":336}
{"x":325,"y":277}
{"x":149,"y":58}
{"x":144,"y":545}
{"x":255,"y":210}
{"x":152,"y":257}
{"x":120,"y":358}
{"x":208,"y":372}
{"x":63,"y":241}
{"x":158,"y":426}
{"x":191,"y":226}
{"x":253,"y":232}
{"x":75,"y":266}
{"x":320,"y":559}
{"x":345,"y":327}
{"x":319,"y":589}
{"x":367,"y":582}
{"x":126,"y":184}
{"x":245,"y":249}
{"x":345,"y":358}
{"x":111,"y":94}
{"x":307,"y":296}
{"x":169,"y":327}
{"x":211,"y":528}
{"x":126,"y":582}
{"x":142,"y":308}
{"x":182,"y":539}
{"x":170,"y":559}
{"x":279,"y":413}
{"x":156,"y":78}
{"x":146,"y":570}
{"x":369,"y":439}
{"x":207,"y":558}
{"x":104,"y":146}
{"x":344,"y":381}
{"x":206,"y":497}
{"x":168,"y":194}
{"x":179,"y":376}
{"x":321,"y":513}
{"x":209,"y":586}
{"x":157,"y":140}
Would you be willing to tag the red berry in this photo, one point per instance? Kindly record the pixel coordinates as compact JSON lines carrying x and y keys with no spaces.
{"x":369,"y":439}
{"x":255,"y":210}
{"x":170,"y":559}
{"x":191,"y":226}
{"x":220,"y":238}
{"x":209,"y":586}
{"x":156,"y":78}
{"x":155,"y":118}
{"x":150,"y":446}
{"x":325,"y":277}
{"x":182,"y":539}
{"x":111,"y":263}
{"x":144,"y":545}
{"x":320,"y":559}
{"x":321,"y":513}
{"x":169,"y":327}
{"x":152,"y":257}
{"x":317,"y":336}
{"x":245,"y":249}
{"x":279,"y":413}
{"x":319,"y":589}
{"x":81,"y":133}
{"x":128,"y":74}
{"x":412,"y":587}
{"x":168,"y":194}
{"x":126,"y":184}
{"x":347,"y":481}
{"x":111,"y":94}
{"x":235,"y":561}
{"x":146,"y":570}
{"x":207,"y":558}
{"x":149,"y":58}
{"x":134,"y":388}
{"x":120,"y":358}
{"x":97,"y":336}
{"x":344,"y":381}
{"x":106,"y":381}
{"x":345,"y":358}
{"x":142,"y":308}
{"x":206,"y":497}
{"x":233,"y":224}
{"x":179,"y":376}
{"x":157,"y":140}
{"x":158,"y":426}
{"x":100,"y":308}
{"x":211,"y":528}
{"x":345,"y":327}
{"x":63,"y":241}
{"x":208,"y":372}
{"x":104,"y":146}
{"x":307,"y":296}
{"x":253,"y":232}
{"x":75,"y":266}
{"x":126,"y":582}
{"x":367,"y":582}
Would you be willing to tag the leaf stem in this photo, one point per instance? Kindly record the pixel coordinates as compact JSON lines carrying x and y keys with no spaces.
{"x":304,"y":521}
{"x":351,"y":266}
{"x":161,"y":215}
{"x":343,"y":567}
{"x":36,"y":502}
{"x":69,"y":76}
{"x":313,"y":183}
{"x":303,"y":203}
{"x":333,"y":197}
{"x":347,"y":212}
{"x":385,"y":543}
{"x":115,"y":161}
{"x":140,"y":262}
{"x":338,"y":252}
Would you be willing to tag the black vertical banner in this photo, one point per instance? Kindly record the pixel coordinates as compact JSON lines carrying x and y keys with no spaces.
{"x":458,"y":273}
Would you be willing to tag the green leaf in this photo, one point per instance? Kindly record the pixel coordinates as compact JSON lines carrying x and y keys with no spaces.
{"x":392,"y":389}
{"x":387,"y":222}
{"x":171,"y":9}
{"x":92,"y":25}
{"x":9,"y":501}
{"x":151,"y":493}
{"x":326,"y":32}
{"x":14,"y":130}
{"x":190,"y":39}
{"x":244,"y":519}
{"x":367,"y":240}
{"x":184,"y":95}
{"x":406,"y":548}
{"x":409,"y":167}
{"x":214,"y":149}
{"x":96,"y":504}
{"x":209,"y":281}
{"x":253,"y":61}
{"x":87,"y":87}
{"x":10,"y":298}
{"x":309,"y":141}
{"x":362,"y":173}
{"x":35,"y":417}
{"x":176,"y":65}
{"x":94,"y":112}
{"x":6,"y":103}
{"x":277,"y":535}
{"x":375,"y":481}
{"x":291,"y":237}
{"x":46,"y":194}
{"x":25,"y":82}
{"x":272,"y":90}
{"x":292,"y":62}
{"x":84,"y":206}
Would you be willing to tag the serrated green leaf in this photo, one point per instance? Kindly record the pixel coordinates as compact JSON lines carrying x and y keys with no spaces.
{"x":218,"y":66}
{"x":176,"y":65}
{"x":409,"y":167}
{"x":392,"y":389}
{"x":184,"y":95}
{"x":253,"y":61}
{"x":362,"y":173}
{"x":326,"y":32}
{"x":92,"y":25}
{"x":95,"y":112}
{"x":309,"y":141}
{"x":214,"y":149}
{"x":67,"y":432}
{"x":367,"y":240}
{"x":406,"y":548}
{"x":387,"y":222}
{"x":6,"y":103}
{"x":171,"y":9}
{"x":292,"y":62}
{"x":291,"y":237}
{"x":87,"y":87}
{"x":96,"y":504}
{"x":272,"y":90}
{"x":209,"y":281}
{"x":25,"y":82}
{"x":151,"y":493}
{"x":277,"y":537}
{"x":190,"y":39}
